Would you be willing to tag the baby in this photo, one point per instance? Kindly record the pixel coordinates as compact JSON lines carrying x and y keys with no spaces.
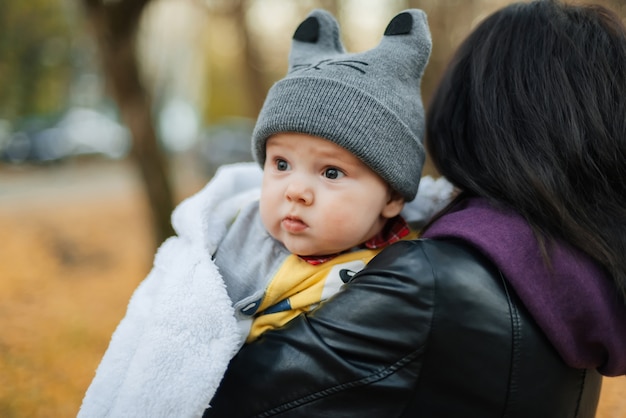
{"x":340,"y":139}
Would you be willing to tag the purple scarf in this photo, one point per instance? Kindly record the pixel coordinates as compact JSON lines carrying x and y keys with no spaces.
{"x":575,"y":304}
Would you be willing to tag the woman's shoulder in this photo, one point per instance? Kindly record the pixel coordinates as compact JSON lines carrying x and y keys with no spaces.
{"x":451,"y":259}
{"x":465,"y":283}
{"x":466,"y":294}
{"x":479,"y":329}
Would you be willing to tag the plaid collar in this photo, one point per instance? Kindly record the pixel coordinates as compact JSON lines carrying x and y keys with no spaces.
{"x":394,"y":230}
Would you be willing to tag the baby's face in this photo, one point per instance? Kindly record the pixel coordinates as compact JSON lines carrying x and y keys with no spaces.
{"x":318,"y":198}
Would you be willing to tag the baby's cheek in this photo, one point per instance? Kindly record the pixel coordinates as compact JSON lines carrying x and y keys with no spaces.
{"x":336,"y":218}
{"x":339,"y":225}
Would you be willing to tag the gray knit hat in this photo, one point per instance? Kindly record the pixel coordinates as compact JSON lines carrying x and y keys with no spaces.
{"x":369,"y":103}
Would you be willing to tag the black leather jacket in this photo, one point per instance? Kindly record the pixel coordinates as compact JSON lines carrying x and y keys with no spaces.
{"x":429,"y":329}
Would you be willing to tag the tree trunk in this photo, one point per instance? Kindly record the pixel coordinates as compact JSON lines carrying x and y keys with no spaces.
{"x":254,"y":77}
{"x":114,"y":25}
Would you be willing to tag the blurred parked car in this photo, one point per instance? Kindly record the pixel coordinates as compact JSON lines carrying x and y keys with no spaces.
{"x":34,"y":139}
{"x":80,"y":131}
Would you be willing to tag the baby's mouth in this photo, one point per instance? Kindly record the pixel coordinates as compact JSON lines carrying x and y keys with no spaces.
{"x":293,"y":224}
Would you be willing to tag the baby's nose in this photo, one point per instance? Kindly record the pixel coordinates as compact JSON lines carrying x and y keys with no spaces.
{"x":300,"y":192}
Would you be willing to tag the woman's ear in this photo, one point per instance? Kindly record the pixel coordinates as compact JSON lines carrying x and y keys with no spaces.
{"x":394,"y":205}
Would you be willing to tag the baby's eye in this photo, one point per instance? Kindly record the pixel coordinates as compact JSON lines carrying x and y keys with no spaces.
{"x":333,"y":173}
{"x":281,"y":165}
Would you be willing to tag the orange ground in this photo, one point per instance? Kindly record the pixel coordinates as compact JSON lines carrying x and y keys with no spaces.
{"x":75,"y":245}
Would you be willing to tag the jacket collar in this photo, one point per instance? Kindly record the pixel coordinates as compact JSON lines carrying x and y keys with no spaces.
{"x":574,"y":301}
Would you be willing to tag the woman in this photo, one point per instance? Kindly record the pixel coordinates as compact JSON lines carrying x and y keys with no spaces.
{"x":514,"y":303}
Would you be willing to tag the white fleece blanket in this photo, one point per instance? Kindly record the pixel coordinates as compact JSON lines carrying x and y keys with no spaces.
{"x":168,"y":354}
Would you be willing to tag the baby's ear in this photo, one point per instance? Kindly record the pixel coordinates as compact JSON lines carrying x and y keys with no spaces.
{"x":317,"y":37}
{"x":394,"y":205}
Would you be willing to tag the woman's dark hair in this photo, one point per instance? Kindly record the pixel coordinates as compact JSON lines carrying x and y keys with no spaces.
{"x":531,"y":114}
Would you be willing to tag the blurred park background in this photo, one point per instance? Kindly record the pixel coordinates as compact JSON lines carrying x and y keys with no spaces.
{"x":111,"y":112}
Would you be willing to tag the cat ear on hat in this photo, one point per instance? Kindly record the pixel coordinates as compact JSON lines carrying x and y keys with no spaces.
{"x":316,"y":37}
{"x":407,"y":39}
